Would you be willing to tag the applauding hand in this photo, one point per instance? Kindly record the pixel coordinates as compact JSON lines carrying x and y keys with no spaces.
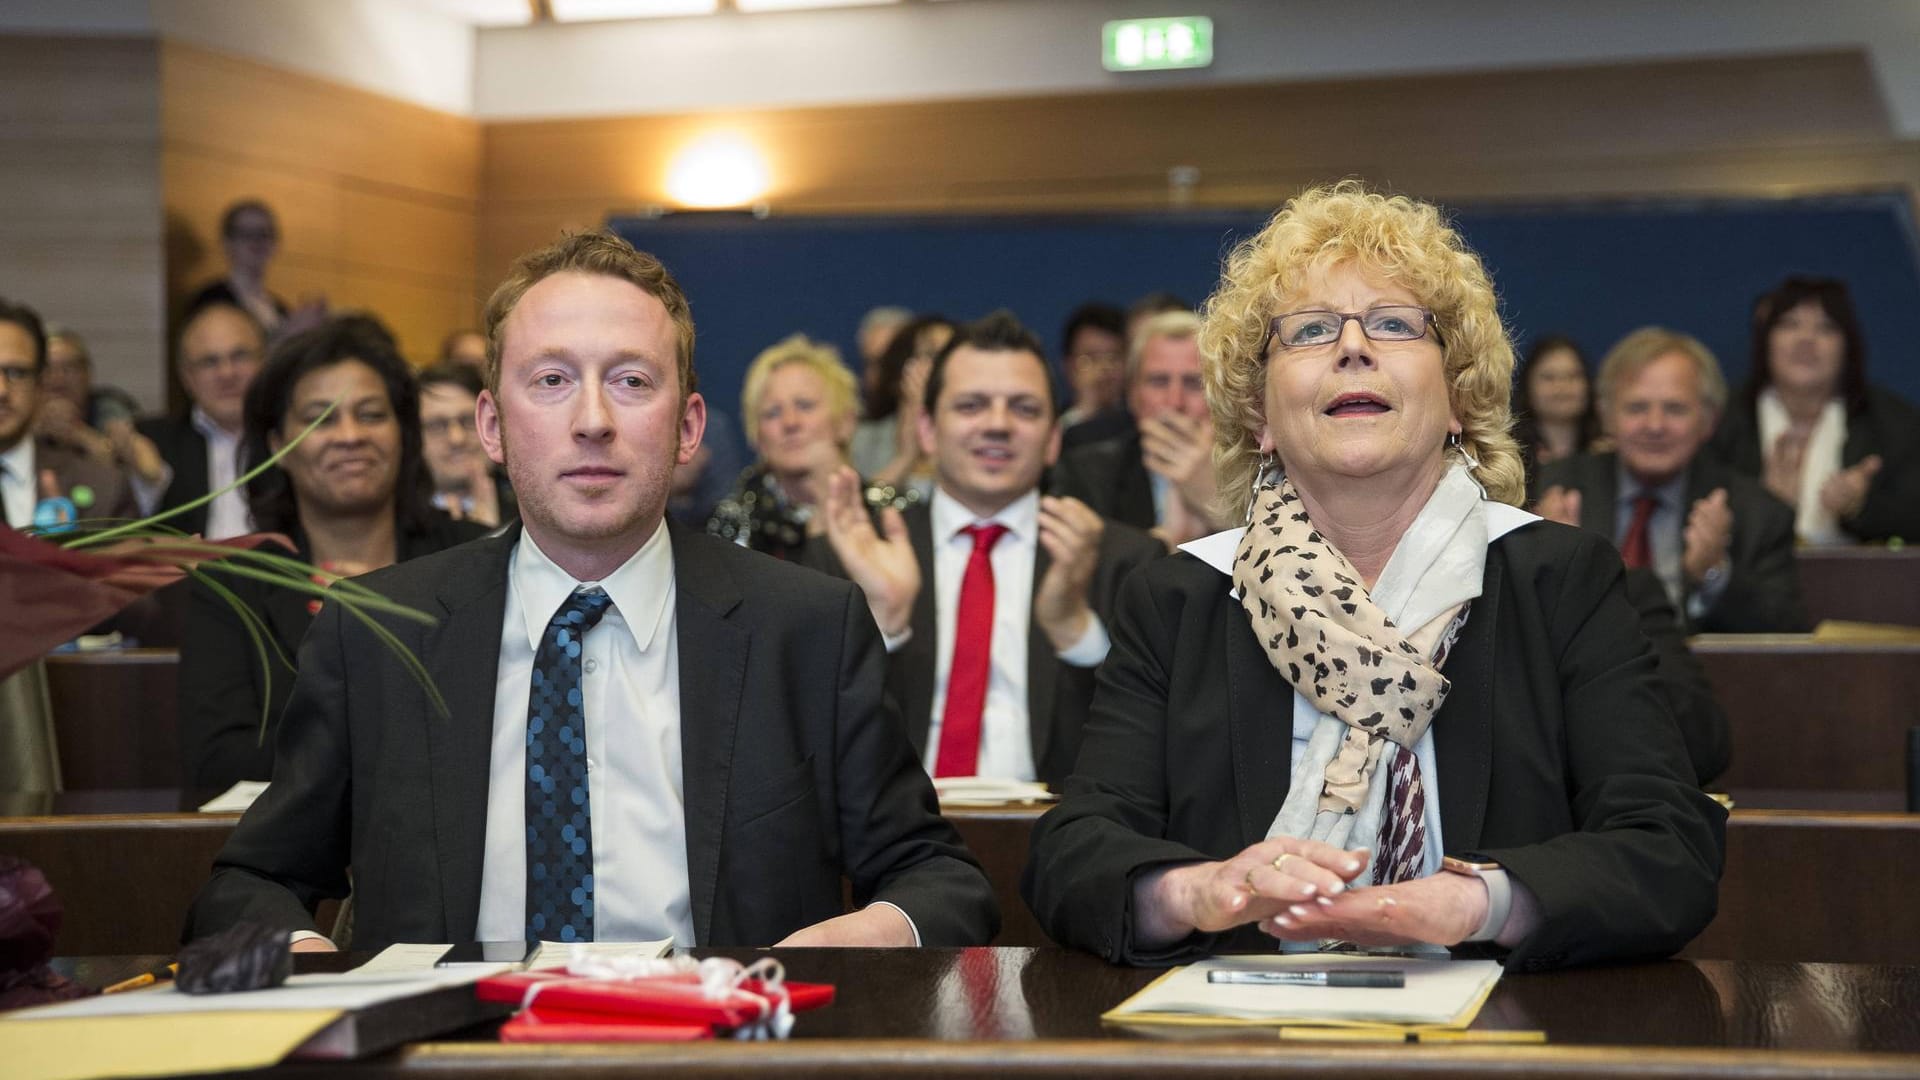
{"x":883,"y":566}
{"x":1845,"y":492}
{"x":1070,"y":531}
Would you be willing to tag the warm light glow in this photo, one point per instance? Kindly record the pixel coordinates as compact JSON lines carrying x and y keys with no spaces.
{"x":721,"y":169}
{"x":598,"y":10}
{"x":751,"y":6}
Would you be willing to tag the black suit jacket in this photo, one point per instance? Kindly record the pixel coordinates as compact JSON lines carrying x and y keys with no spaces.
{"x":1703,"y":723}
{"x":222,"y":685}
{"x":1557,"y":758}
{"x":1763,"y":595}
{"x":1058,"y":694}
{"x":183,"y":448}
{"x":1111,"y":477}
{"x":794,"y":771}
{"x":1888,"y":426}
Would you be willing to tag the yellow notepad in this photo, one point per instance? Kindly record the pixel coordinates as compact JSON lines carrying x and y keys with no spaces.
{"x":1439,"y":994}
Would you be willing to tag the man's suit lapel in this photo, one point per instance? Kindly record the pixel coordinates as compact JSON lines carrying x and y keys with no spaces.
{"x":1042,"y":668}
{"x":462,"y":653}
{"x":1463,"y":732}
{"x":1260,"y":725}
{"x":713,"y":669}
{"x":1601,"y":495}
{"x":917,"y":658}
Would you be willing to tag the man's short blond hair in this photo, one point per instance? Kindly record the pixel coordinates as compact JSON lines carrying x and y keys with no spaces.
{"x":592,"y":253}
{"x":842,"y":389}
{"x":1172,"y":325}
{"x":1632,"y":354}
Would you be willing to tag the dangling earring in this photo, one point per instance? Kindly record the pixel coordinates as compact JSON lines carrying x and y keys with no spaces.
{"x":1455,"y":443}
{"x":1267,"y":464}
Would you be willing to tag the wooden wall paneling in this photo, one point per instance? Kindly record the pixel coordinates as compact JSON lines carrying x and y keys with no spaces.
{"x":82,"y":237}
{"x":1697,"y":126}
{"x":378,"y":199}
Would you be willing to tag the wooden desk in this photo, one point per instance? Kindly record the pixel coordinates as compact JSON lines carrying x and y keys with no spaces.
{"x":114,"y":717}
{"x":1851,"y":903}
{"x":1861,"y":584}
{"x":1035,"y":1012}
{"x":1790,"y":698}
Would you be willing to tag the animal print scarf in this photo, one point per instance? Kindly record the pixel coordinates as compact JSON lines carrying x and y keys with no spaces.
{"x":1342,"y":648}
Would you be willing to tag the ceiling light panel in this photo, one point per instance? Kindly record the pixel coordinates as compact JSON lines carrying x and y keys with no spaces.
{"x":600,"y":10}
{"x":751,"y":6}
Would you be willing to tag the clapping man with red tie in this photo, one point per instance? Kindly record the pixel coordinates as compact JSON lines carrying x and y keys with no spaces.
{"x":992,"y":598}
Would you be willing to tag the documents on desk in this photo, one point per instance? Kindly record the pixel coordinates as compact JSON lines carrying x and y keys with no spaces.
{"x":964,"y":791}
{"x":161,"y":1031}
{"x":420,"y":957}
{"x":1439,"y":994}
{"x":235,"y":799}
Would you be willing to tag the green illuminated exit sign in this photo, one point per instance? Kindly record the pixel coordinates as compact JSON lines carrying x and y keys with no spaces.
{"x":1183,"y":41}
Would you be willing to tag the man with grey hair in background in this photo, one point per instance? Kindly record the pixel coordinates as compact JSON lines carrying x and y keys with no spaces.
{"x":1721,"y":546}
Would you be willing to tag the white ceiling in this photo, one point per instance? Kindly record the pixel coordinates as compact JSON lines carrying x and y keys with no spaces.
{"x":492,"y":13}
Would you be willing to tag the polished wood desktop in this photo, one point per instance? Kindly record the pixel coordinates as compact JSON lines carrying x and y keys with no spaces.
{"x":1799,"y":885}
{"x":1036,"y":1012}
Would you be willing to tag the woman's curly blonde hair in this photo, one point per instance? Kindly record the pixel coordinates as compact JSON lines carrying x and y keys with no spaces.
{"x":1402,"y":240}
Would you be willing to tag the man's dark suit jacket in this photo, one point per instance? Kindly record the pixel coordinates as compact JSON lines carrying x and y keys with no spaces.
{"x":224,"y":693}
{"x":1058,"y":694}
{"x":183,"y":448}
{"x":1557,"y":758}
{"x":109,"y":495}
{"x":795,"y":772}
{"x":1111,"y":477}
{"x":1888,"y":426}
{"x":1703,"y":723}
{"x":1763,"y":595}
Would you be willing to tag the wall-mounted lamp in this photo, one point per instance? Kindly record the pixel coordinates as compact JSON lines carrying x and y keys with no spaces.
{"x":720,"y":169}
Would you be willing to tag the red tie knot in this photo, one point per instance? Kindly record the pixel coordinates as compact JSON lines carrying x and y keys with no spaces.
{"x":985,"y":536}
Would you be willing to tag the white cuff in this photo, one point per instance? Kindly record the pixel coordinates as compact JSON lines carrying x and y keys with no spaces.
{"x":1091,"y":647}
{"x":904,"y":915}
{"x":894,"y":644}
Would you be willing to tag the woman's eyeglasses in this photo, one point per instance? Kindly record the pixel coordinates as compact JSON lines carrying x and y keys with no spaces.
{"x":1314,"y":327}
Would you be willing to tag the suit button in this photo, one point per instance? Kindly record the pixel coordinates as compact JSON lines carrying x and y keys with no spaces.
{"x":591,"y":664}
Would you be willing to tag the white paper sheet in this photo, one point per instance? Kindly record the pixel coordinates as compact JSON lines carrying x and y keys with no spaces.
{"x":235,"y":799}
{"x":988,"y":791}
{"x":1437,"y":992}
{"x":347,"y":991}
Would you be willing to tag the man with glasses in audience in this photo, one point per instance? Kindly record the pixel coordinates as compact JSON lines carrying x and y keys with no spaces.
{"x":220,"y":351}
{"x":1093,"y":357}
{"x":993,"y":599}
{"x":42,"y":483}
{"x":1158,"y":476}
{"x":465,"y":484}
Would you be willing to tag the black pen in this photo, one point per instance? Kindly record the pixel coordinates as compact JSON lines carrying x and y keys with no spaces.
{"x":1372,"y":980}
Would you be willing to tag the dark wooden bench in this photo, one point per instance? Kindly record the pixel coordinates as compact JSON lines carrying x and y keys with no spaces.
{"x":1861,"y":584}
{"x":1814,"y":715}
{"x":114,"y":717}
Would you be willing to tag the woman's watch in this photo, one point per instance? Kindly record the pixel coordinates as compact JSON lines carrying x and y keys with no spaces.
{"x":1499,"y":890}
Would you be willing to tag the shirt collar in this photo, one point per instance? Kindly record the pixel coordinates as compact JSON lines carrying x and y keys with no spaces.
{"x":641,"y":589}
{"x":18,"y":462}
{"x":1021,"y":516}
{"x":1668,"y":494}
{"x":206,"y":426}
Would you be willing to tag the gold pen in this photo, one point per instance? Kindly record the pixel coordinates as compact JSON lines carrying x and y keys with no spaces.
{"x":1392,"y":1035}
{"x":145,"y":979}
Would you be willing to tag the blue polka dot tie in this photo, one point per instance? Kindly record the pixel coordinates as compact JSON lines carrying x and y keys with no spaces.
{"x":559,"y":822}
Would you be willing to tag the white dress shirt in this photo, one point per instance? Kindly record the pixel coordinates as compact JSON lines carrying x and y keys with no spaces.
{"x":227,"y":515}
{"x":630,"y":686}
{"x":18,"y":486}
{"x":1006,"y":747}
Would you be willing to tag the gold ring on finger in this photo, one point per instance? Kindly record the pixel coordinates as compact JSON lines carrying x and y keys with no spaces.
{"x":1282,"y":859}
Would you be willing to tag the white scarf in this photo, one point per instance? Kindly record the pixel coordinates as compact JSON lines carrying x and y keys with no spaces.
{"x":1812,"y":522}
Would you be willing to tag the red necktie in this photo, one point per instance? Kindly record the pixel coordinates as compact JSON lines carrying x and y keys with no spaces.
{"x":972,"y":650}
{"x":1636,"y":550}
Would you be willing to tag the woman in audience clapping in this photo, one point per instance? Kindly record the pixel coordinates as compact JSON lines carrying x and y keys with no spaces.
{"x":352,"y":497}
{"x":1390,"y":664}
{"x":886,"y":445}
{"x":1844,"y":453}
{"x":798,"y":405}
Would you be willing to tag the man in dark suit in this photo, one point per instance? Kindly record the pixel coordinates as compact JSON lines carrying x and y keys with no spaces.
{"x":649,"y":733}
{"x":991,"y":656}
{"x":221,"y":349}
{"x":1159,"y":475}
{"x":42,"y":482}
{"x":1719,"y":543}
